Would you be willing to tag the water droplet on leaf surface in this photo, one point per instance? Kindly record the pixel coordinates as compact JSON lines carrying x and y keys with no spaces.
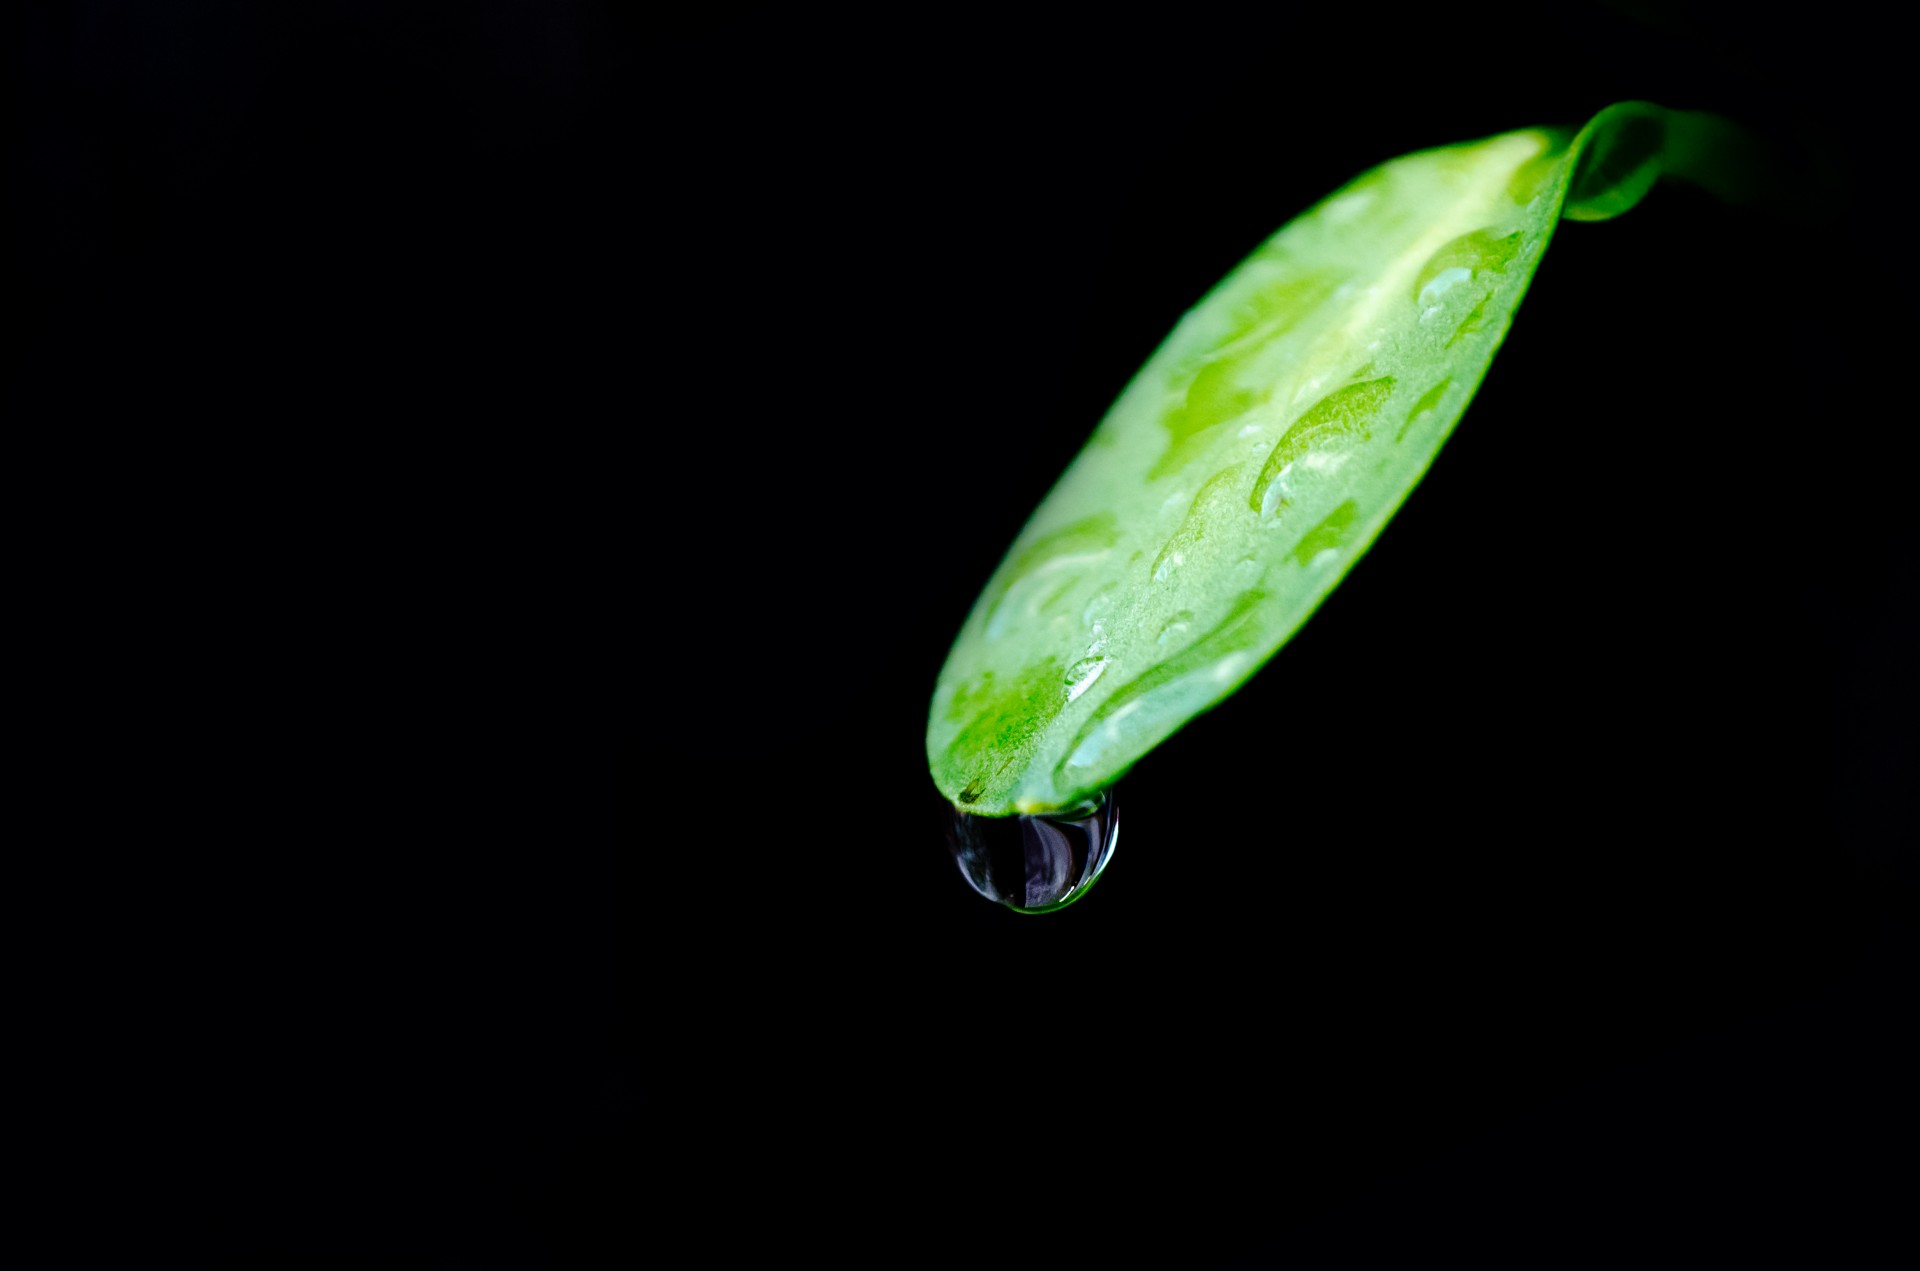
{"x":1081,"y":675}
{"x":1035,"y":863}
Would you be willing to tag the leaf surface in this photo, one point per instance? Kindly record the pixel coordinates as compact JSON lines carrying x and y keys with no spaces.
{"x":1256,"y":456}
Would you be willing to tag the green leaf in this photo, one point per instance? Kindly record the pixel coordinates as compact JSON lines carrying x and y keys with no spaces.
{"x":1257,"y":455}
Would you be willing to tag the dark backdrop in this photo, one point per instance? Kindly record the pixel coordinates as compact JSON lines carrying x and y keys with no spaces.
{"x":530,"y":461}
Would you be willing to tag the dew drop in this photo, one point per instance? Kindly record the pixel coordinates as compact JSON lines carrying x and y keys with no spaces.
{"x":1439,"y":285}
{"x":1428,"y":400}
{"x":1482,"y":251}
{"x":1315,"y":439}
{"x":1148,"y":708}
{"x":1033,"y":864}
{"x":1045,"y":571}
{"x":1081,"y":675}
{"x":1095,"y":610}
{"x":1327,"y":536}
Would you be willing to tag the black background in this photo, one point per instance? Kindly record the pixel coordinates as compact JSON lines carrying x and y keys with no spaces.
{"x":529,"y":463}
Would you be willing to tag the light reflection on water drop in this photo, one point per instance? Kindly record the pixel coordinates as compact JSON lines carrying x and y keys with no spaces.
{"x":1035,"y":863}
{"x":1082,"y":674}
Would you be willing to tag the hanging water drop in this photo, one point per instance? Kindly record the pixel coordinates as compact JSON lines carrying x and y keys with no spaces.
{"x":1033,"y":864}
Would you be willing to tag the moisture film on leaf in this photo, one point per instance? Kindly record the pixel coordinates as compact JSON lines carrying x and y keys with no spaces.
{"x":1257,"y":455}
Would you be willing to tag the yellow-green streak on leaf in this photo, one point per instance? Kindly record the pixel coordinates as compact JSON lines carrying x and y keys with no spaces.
{"x":1002,"y":718}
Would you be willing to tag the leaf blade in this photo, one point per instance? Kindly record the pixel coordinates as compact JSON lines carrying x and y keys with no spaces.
{"x":1254,"y":458}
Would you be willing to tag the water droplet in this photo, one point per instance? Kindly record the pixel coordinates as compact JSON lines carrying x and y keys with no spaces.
{"x":1428,"y":400}
{"x":1482,"y":251}
{"x":1045,"y":570}
{"x":1082,"y":674}
{"x":1474,"y":321}
{"x":1438,"y":286}
{"x":1140,"y":713}
{"x":1218,"y":395}
{"x":1035,"y":863}
{"x":1208,"y":507}
{"x":1324,"y":539}
{"x":1092,"y":615}
{"x":1335,"y":421}
{"x":1229,"y":379}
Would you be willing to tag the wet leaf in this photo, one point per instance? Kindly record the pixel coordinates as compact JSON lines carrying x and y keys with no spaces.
{"x":1256,"y":456}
